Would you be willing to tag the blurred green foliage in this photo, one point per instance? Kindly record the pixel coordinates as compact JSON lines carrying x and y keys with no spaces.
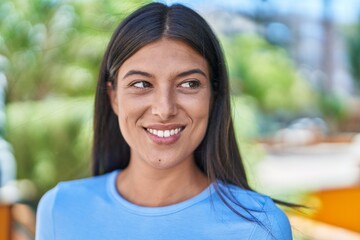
{"x":333,"y":108}
{"x":245,"y":119}
{"x":51,"y":139}
{"x":266,"y":72}
{"x":53,"y":47}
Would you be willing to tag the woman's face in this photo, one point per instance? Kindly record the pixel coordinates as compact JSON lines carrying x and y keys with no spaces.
{"x":162,"y":100}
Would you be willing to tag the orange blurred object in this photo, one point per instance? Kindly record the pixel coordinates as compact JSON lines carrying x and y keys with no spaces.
{"x":5,"y":222}
{"x":339,"y":207}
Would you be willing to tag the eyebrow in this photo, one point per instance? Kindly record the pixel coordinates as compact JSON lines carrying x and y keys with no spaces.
{"x":137,"y":72}
{"x":182,"y":74}
{"x":190,"y":72}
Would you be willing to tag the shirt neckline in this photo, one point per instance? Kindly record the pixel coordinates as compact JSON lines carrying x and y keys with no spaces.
{"x":154,"y":211}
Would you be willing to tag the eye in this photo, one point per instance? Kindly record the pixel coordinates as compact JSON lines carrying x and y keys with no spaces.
{"x":191,"y":84}
{"x":141,"y":84}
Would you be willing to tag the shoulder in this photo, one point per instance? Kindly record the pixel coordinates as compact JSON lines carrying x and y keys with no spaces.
{"x":248,"y":199}
{"x":69,"y":196}
{"x":75,"y":190}
{"x":85,"y":183}
{"x":273,"y":222}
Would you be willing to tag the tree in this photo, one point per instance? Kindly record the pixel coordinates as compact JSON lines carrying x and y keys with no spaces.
{"x":53,"y":47}
{"x":266,"y":73}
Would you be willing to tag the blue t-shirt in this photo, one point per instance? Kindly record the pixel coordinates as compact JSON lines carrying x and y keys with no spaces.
{"x":92,"y":208}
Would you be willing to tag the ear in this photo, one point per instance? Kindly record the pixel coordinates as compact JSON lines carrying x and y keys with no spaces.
{"x":111,"y":92}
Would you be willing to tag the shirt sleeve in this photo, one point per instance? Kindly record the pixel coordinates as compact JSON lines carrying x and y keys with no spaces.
{"x":275,"y":224}
{"x":44,"y":216}
{"x":278,"y":221}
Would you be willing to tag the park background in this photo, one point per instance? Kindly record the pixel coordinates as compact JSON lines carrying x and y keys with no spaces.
{"x":295,"y":81}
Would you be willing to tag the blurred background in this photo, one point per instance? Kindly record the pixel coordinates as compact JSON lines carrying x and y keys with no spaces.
{"x":295,"y":82}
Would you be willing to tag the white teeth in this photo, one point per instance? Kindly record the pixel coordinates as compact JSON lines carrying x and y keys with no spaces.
{"x":164,"y":133}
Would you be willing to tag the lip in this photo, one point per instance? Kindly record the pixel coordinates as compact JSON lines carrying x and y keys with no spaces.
{"x":164,"y":140}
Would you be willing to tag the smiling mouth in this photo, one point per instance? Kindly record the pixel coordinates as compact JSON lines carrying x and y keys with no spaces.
{"x":164,"y":133}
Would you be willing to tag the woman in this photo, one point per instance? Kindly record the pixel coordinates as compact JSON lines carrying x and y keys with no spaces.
{"x":165,"y":158}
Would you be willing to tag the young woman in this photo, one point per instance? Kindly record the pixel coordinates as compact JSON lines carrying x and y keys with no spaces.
{"x":165,"y":158}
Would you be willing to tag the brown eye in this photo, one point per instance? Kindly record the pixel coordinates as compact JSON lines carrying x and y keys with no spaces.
{"x":190,"y":84}
{"x":141,"y":84}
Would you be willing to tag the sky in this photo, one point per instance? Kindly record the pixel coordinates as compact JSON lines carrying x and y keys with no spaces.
{"x":343,"y":11}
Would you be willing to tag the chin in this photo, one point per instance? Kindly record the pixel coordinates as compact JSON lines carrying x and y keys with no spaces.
{"x":162,"y":162}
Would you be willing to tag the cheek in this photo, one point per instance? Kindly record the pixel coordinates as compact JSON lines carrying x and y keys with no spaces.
{"x":198,"y":111}
{"x":129,"y":112}
{"x":202,"y":110}
{"x":130,"y":106}
{"x":198,"y":108}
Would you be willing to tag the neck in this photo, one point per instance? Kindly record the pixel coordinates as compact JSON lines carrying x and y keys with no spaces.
{"x":160,"y":187}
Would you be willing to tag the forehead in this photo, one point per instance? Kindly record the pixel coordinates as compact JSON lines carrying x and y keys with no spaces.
{"x":165,"y":54}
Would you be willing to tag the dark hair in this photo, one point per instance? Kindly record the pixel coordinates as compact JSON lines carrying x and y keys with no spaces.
{"x":218,"y":154}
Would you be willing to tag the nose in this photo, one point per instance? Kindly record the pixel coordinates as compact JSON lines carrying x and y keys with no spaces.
{"x":164,"y":104}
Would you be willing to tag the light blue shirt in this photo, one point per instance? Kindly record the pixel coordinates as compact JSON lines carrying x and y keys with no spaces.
{"x":92,"y":208}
